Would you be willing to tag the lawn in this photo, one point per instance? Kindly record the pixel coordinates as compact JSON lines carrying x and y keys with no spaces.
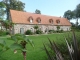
{"x":36,"y":53}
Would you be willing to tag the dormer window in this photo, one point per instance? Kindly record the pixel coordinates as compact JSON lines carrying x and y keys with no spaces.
{"x":39,"y":20}
{"x":30,"y":19}
{"x":58,"y":21}
{"x":51,"y":21}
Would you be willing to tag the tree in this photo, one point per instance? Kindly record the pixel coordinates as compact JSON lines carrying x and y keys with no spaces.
{"x":68,"y":14}
{"x":2,"y":11}
{"x":58,"y":27}
{"x":37,"y":11}
{"x":77,"y":13}
{"x":36,"y":27}
{"x":8,"y":25}
{"x":13,"y":4}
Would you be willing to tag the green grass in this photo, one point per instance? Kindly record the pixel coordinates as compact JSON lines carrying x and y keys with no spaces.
{"x":36,"y":53}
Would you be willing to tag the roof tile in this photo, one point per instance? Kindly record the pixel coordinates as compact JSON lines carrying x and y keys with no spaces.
{"x":22,"y":17}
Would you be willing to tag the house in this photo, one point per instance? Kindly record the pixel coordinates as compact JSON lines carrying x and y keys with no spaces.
{"x":26,"y":21}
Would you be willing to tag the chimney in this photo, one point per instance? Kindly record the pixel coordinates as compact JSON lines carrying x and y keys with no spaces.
{"x":60,"y":16}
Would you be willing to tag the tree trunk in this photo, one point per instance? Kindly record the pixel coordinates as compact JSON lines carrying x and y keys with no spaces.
{"x":7,"y":14}
{"x":7,"y":11}
{"x":10,"y":31}
{"x":77,"y":22}
{"x":24,"y":54}
{"x":1,"y":26}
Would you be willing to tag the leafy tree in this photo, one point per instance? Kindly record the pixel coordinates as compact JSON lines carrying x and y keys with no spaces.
{"x":58,"y":27}
{"x":77,"y":13}
{"x":37,"y":11}
{"x":2,"y":11}
{"x":68,"y":14}
{"x":13,"y":4}
{"x":8,"y":25}
{"x":36,"y":27}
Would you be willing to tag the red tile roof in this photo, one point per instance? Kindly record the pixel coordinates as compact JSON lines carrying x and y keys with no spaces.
{"x":22,"y":17}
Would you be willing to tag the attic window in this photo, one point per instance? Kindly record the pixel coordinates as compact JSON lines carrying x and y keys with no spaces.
{"x":58,"y":21}
{"x":51,"y":21}
{"x":30,"y":19}
{"x":38,"y":20}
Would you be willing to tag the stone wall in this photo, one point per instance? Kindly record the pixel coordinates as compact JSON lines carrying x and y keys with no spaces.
{"x":43,"y":28}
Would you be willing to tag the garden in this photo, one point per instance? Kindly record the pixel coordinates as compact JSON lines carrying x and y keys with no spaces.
{"x":55,"y":45}
{"x":37,"y":52}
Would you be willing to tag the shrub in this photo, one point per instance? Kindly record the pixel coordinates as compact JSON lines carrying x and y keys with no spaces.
{"x":67,"y":51}
{"x":50,"y":31}
{"x":7,"y":32}
{"x":2,"y":33}
{"x":61,"y":31}
{"x":38,"y":32}
{"x":58,"y":27}
{"x":28,"y":32}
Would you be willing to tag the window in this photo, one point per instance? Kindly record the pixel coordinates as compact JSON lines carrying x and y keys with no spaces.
{"x":51,"y":21}
{"x":58,"y":21}
{"x":30,"y":19}
{"x":38,"y":20}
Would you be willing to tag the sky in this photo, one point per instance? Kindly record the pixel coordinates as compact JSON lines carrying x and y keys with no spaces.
{"x":51,"y":7}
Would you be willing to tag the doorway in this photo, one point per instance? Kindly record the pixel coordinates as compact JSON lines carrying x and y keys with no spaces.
{"x":22,"y":30}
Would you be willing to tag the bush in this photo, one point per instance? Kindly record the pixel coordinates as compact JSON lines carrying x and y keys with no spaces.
{"x":59,"y":31}
{"x":7,"y":33}
{"x":69,"y":50}
{"x":38,"y":32}
{"x":28,"y":32}
{"x":2,"y":33}
{"x":50,"y":31}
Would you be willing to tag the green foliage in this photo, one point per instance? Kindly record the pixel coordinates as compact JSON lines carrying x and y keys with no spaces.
{"x":37,"y":11}
{"x":38,"y":32}
{"x":13,"y":4}
{"x":3,"y":46}
{"x":58,"y":27}
{"x":68,"y":14}
{"x":28,"y":32}
{"x":36,"y":27}
{"x":37,"y":53}
{"x":69,"y":51}
{"x":2,"y":10}
{"x":2,"y":33}
{"x":75,"y":14}
{"x":50,"y":31}
{"x":20,"y":42}
{"x":75,"y":28}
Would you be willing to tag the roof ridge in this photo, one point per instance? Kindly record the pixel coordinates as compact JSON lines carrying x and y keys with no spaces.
{"x":38,"y":14}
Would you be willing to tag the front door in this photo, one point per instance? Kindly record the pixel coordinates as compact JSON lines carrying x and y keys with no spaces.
{"x":22,"y":30}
